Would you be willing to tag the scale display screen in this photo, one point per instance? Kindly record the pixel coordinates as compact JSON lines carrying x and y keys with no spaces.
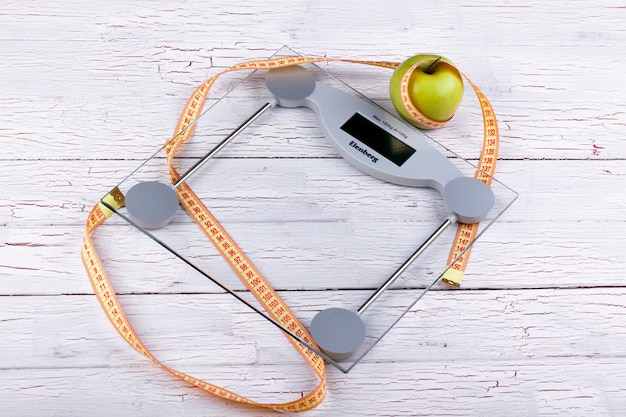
{"x":378,"y":139}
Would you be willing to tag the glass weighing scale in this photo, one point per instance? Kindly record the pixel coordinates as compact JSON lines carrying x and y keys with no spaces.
{"x":364,"y":272}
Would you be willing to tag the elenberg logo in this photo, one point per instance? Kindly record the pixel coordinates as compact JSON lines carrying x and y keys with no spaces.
{"x":363,"y":151}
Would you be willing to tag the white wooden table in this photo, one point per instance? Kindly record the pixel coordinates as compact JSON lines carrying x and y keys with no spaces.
{"x":89,"y":89}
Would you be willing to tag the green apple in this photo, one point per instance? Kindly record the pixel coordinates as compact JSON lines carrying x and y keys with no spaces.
{"x":435,"y":88}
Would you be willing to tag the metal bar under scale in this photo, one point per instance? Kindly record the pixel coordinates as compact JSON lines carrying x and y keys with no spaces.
{"x":405,"y":265}
{"x":224,"y":142}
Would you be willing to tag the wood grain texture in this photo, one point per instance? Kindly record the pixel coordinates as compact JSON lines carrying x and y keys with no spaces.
{"x":88,"y":91}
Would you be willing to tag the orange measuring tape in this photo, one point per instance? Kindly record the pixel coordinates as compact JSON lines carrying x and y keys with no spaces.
{"x":466,"y":233}
{"x":235,"y":257}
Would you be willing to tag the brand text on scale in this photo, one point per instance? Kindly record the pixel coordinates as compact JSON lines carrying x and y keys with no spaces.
{"x":363,"y":151}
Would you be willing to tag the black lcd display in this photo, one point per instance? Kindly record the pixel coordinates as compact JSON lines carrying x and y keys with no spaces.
{"x":378,"y":139}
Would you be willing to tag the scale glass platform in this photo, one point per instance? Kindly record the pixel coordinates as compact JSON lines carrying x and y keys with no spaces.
{"x":324,"y":233}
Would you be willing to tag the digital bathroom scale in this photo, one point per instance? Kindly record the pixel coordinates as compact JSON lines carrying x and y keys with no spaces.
{"x":329,"y":175}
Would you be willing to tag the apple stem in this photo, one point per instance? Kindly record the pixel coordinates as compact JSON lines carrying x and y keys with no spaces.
{"x":429,"y":70}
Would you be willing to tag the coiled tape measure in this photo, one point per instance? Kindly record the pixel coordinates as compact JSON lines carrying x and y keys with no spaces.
{"x":293,"y":86}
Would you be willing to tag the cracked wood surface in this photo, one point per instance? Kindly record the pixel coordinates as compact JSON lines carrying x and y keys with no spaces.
{"x":88,"y":91}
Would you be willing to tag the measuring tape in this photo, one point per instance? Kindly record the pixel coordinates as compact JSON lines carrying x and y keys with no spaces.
{"x":466,"y":233}
{"x":235,"y":257}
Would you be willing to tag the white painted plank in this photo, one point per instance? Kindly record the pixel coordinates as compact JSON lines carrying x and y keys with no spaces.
{"x":191,"y":330}
{"x":142,"y":116}
{"x":63,"y":192}
{"x":438,"y":388}
{"x":554,"y":352}
{"x":326,"y":236}
{"x":90,"y":90}
{"x":48,"y":263}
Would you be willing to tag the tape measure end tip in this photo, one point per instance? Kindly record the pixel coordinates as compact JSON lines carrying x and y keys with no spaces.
{"x":451,"y":283}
